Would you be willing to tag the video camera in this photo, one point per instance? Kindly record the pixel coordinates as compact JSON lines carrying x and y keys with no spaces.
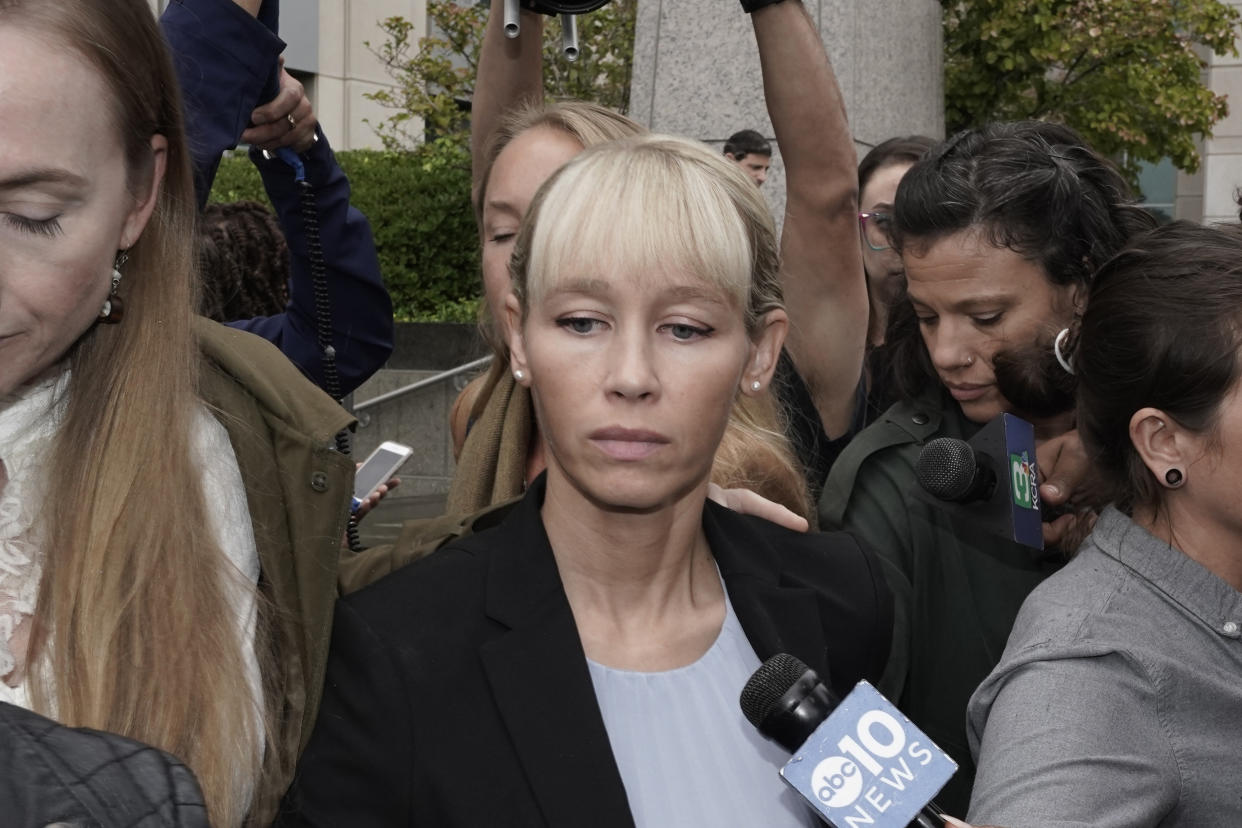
{"x":566,"y":9}
{"x":555,"y":7}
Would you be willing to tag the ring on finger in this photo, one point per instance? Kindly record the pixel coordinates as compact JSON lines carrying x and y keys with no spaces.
{"x":292,"y":121}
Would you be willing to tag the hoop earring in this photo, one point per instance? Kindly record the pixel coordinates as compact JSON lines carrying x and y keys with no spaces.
{"x":1056,"y":349}
{"x":113,"y":308}
{"x":1174,"y":478}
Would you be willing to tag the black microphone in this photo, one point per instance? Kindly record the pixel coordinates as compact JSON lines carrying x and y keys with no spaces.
{"x":788,"y":703}
{"x":990,"y":480}
{"x":949,"y":469}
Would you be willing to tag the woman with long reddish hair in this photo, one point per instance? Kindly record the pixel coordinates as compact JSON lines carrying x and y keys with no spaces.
{"x":148,"y":512}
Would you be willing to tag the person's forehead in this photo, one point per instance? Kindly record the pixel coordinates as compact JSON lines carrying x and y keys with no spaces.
{"x":54,"y":108}
{"x":966,"y":265}
{"x":881,"y":187}
{"x":531,"y":158}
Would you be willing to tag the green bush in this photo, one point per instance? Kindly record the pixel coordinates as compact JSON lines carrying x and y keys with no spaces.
{"x":419,"y":206}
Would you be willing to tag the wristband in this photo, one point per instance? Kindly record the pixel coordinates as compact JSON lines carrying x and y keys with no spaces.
{"x":752,"y":6}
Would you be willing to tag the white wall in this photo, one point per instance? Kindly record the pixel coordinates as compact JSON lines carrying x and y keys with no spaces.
{"x":347,"y":69}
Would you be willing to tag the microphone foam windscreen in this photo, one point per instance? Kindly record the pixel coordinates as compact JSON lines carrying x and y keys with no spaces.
{"x":946,"y":468}
{"x":771,"y":681}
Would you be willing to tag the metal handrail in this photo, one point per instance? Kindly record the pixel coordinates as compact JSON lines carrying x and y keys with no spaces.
{"x":423,"y":383}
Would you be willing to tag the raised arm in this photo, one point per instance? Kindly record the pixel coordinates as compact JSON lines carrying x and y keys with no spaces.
{"x":825,"y":289}
{"x":227,"y":58}
{"x":510,"y":74}
{"x":224,"y":60}
{"x":361,"y":310}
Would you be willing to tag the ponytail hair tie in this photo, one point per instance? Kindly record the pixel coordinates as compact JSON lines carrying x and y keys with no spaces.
{"x":1061,"y":358}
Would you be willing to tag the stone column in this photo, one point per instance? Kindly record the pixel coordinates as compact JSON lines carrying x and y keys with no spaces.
{"x":696,"y":70}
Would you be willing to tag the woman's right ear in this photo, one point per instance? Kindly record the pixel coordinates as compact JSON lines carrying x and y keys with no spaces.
{"x":1161,"y":442}
{"x":517,"y":346}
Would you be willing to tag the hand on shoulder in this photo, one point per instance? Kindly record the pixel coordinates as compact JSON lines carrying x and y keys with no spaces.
{"x":746,"y":502}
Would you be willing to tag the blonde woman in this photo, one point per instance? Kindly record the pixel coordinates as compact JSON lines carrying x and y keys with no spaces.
{"x":158,"y":472}
{"x":581,"y":663}
{"x":517,"y":142}
{"x":507,"y":451}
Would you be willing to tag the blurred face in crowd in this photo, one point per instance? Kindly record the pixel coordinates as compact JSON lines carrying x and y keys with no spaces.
{"x":519,"y":170}
{"x":66,"y":205}
{"x":885,"y":272}
{"x":972,"y":299}
{"x":755,"y":165}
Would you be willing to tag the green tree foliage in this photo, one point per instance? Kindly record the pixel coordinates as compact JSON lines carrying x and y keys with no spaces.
{"x":430,"y":75}
{"x":1124,"y":73}
{"x":433,"y":74}
{"x":419,"y":206}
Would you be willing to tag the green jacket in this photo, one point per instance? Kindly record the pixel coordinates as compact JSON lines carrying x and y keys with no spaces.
{"x":298,"y":488}
{"x":958,"y":588}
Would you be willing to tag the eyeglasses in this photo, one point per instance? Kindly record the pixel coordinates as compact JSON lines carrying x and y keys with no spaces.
{"x":877,"y":230}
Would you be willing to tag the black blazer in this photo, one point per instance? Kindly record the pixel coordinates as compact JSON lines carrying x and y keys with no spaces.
{"x":458,"y":692}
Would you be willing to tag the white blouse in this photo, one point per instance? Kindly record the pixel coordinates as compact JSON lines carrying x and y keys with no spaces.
{"x":28,"y":422}
{"x":686,"y":753}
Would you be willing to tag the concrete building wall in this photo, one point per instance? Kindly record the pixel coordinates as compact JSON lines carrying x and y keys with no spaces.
{"x":696,"y":70}
{"x":327,"y":50}
{"x":1220,"y":177}
{"x":347,"y":70}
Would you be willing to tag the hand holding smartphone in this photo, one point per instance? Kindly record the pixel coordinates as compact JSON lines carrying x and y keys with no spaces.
{"x":378,"y":468}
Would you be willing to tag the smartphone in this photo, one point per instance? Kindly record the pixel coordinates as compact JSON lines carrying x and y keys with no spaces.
{"x":378,"y":468}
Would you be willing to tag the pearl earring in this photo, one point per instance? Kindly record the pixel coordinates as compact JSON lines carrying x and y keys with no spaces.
{"x":756,"y":385}
{"x":519,"y":375}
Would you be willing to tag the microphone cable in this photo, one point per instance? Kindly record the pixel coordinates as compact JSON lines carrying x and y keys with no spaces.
{"x":323,"y":310}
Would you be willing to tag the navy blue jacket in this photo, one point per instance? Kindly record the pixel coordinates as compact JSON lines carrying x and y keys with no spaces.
{"x":225,"y":61}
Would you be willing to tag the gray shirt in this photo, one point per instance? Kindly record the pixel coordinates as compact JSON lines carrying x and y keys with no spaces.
{"x":1118,"y":700}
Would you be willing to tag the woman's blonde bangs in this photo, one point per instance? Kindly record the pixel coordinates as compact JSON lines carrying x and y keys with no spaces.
{"x":653,"y":206}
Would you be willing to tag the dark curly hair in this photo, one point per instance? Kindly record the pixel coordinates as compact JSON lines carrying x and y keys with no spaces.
{"x":1036,"y":188}
{"x":244,"y":260}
